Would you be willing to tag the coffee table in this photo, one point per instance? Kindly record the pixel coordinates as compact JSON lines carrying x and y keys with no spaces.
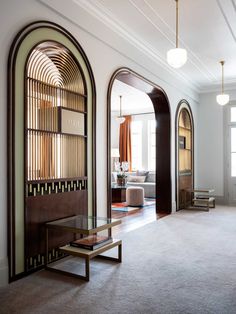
{"x":86,"y":225}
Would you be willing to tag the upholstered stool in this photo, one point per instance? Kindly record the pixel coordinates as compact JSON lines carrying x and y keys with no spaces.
{"x":135,"y":196}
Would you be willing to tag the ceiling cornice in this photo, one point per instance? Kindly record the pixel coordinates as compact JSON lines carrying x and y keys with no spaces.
{"x":231,"y":86}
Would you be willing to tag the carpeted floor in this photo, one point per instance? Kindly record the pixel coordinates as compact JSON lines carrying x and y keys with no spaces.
{"x":182,"y":263}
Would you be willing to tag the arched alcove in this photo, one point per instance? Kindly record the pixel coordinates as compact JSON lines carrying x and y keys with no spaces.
{"x":51,"y":141}
{"x":163,"y":136}
{"x":184,"y":154}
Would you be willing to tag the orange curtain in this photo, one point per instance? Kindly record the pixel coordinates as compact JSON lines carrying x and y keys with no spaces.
{"x":125,"y":141}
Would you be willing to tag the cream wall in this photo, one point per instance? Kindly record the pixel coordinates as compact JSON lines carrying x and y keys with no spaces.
{"x":105,"y":58}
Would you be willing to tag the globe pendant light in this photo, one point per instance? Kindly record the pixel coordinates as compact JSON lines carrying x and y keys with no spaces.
{"x":222,"y":98}
{"x":120,"y":118}
{"x":177,"y":57}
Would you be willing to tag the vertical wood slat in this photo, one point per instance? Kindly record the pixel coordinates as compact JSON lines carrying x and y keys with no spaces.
{"x":53,"y":155}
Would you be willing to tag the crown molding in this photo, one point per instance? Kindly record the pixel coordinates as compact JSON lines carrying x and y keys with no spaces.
{"x":230,"y":86}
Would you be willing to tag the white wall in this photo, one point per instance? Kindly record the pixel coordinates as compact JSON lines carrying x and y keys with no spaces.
{"x":211,"y":144}
{"x":104,"y":59}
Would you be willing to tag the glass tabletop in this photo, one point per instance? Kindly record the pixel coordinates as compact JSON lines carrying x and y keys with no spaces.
{"x":83,"y":224}
{"x":116,"y":186}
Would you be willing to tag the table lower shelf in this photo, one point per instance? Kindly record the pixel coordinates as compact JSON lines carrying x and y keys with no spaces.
{"x":88,"y":255}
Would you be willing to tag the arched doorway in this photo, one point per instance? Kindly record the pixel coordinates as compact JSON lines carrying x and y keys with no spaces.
{"x":51,"y":141}
{"x":184,"y":154}
{"x":163,"y":136}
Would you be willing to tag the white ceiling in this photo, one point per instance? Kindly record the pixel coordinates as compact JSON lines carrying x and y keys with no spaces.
{"x":207,"y":29}
{"x":133,"y":100}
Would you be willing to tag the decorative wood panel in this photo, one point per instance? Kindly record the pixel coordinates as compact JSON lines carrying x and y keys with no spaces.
{"x":184,"y":146}
{"x":48,"y":73}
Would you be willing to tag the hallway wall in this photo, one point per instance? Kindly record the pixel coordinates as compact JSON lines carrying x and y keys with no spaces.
{"x":106,"y":51}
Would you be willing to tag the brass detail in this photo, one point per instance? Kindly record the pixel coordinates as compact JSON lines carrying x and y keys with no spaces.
{"x":54,"y":81}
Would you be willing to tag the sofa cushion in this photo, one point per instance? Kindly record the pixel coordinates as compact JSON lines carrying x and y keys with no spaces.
{"x":139,"y":179}
{"x":142,"y":173}
{"x":151,"y":177}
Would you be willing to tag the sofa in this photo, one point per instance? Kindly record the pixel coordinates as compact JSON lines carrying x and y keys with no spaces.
{"x":149,"y":185}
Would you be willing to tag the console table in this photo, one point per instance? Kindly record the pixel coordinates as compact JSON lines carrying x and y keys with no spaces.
{"x":86,"y":225}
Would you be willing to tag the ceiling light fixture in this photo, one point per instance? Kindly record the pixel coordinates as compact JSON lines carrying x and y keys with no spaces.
{"x":120,"y":118}
{"x":177,"y":57}
{"x":222,"y":98}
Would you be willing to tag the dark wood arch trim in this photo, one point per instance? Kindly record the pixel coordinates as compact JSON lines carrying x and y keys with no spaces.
{"x":178,"y":109}
{"x":17,"y":41}
{"x":163,"y":136}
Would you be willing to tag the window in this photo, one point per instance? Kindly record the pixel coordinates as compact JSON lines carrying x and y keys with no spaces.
{"x":233,"y":151}
{"x":151,"y":144}
{"x":136,"y":143}
{"x":233,"y":114}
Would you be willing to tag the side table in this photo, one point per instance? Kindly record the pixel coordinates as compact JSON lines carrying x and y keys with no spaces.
{"x":86,"y":225}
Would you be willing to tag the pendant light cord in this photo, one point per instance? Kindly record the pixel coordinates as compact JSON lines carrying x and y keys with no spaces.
{"x":222,"y":83}
{"x":177,"y":22}
{"x":120,"y":104}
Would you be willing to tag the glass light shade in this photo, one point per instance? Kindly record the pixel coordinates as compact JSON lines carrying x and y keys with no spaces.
{"x":120,"y":119}
{"x":177,"y":57}
{"x":222,"y":99}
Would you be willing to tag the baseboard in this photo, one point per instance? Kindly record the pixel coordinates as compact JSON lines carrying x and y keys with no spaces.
{"x":173,"y":209}
{"x":220,"y":200}
{"x":3,"y":272}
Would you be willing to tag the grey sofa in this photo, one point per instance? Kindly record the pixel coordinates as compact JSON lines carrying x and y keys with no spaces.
{"x":149,"y":185}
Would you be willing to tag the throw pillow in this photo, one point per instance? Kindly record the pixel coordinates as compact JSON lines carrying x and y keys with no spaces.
{"x":139,"y":179}
{"x":142,"y":173}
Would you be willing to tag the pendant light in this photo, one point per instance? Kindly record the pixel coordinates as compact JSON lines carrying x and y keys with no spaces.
{"x":177,"y":57}
{"x":120,"y":118}
{"x":222,"y":98}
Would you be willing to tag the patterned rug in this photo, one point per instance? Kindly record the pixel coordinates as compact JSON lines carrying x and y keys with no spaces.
{"x":122,"y":207}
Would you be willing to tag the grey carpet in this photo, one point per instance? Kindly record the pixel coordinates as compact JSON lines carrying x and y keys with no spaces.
{"x":183,"y":263}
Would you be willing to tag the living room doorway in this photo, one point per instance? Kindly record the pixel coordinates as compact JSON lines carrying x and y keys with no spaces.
{"x":138,"y":149}
{"x":133,"y":156}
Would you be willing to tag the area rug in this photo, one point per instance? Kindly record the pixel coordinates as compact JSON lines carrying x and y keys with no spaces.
{"x":122,"y":207}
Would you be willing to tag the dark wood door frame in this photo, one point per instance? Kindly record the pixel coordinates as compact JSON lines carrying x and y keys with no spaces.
{"x":163,"y":136}
{"x":182,"y":104}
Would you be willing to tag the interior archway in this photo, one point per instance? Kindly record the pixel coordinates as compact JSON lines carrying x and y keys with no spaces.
{"x":184,"y":154}
{"x":163,"y":136}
